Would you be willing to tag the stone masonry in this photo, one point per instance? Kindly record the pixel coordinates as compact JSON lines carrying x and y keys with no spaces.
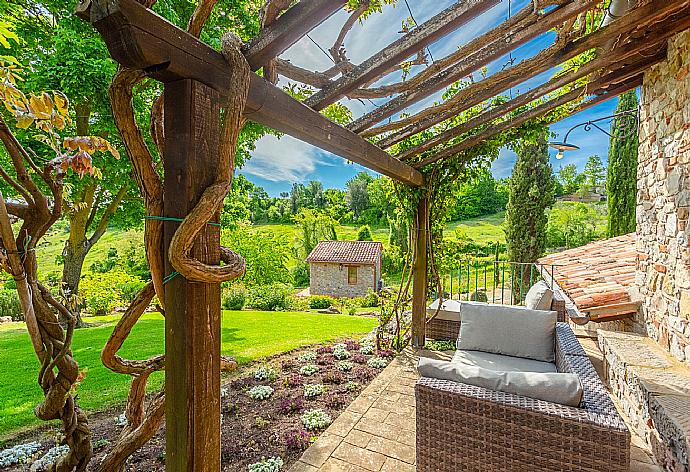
{"x":663,"y":265}
{"x":331,"y":279}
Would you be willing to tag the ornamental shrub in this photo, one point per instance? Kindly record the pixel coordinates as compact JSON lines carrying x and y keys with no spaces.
{"x":371,"y":300}
{"x":333,"y":377}
{"x":10,"y":305}
{"x":315,"y":419}
{"x":324,"y":350}
{"x":234,"y":297}
{"x":344,"y":366}
{"x":297,"y":439}
{"x":308,"y":356}
{"x":352,"y":345}
{"x":309,"y":370}
{"x":314,"y":390}
{"x":274,"y":464}
{"x":18,"y":454}
{"x":367,"y":348}
{"x":265,"y":372}
{"x":260,"y":392}
{"x":364,"y":233}
{"x":320,"y":302}
{"x":275,"y":297}
{"x":326,"y":359}
{"x":341,"y":352}
{"x":377,"y":362}
{"x":359,"y":358}
{"x":290,"y":405}
{"x":362,"y":373}
{"x":102,"y":292}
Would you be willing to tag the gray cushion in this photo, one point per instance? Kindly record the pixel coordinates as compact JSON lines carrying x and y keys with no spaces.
{"x":561,"y":388}
{"x":510,"y":330}
{"x":539,"y":296}
{"x":488,"y":360}
{"x":450,"y":310}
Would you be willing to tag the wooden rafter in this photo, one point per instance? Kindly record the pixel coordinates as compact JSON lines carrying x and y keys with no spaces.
{"x":289,"y":28}
{"x":425,"y":34}
{"x":636,"y":51}
{"x":523,"y":27}
{"x":140,"y":39}
{"x":638,"y":19}
{"x":532,"y":114}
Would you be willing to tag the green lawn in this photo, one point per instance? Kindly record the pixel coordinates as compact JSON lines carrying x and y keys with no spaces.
{"x":246,"y":335}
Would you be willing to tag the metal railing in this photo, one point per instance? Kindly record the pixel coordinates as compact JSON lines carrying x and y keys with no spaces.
{"x":493,"y":280}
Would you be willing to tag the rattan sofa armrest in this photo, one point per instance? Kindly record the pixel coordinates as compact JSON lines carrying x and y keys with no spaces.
{"x":517,"y":404}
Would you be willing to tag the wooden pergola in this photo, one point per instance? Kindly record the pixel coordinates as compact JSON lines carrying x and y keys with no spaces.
{"x":197,"y":81}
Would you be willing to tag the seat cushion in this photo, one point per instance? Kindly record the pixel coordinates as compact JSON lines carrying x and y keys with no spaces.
{"x":450,"y":310}
{"x":539,"y":296}
{"x":488,"y":360}
{"x":509,"y":330}
{"x":561,"y":388}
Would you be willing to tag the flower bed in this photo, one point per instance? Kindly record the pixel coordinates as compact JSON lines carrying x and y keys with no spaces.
{"x":271,"y":412}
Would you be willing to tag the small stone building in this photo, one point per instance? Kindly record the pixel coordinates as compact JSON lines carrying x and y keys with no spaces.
{"x":345,"y":268}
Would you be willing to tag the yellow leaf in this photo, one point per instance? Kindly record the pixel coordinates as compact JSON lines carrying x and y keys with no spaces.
{"x":61,"y":103}
{"x":38,"y":108}
{"x":24,"y":121}
{"x":113,"y":151}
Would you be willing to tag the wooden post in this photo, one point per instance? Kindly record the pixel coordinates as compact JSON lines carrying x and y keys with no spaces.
{"x":420,"y":281}
{"x":192,"y":318}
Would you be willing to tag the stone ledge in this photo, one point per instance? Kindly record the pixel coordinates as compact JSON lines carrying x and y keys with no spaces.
{"x":654,"y":390}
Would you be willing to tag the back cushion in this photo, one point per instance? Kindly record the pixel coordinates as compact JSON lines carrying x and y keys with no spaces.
{"x":508,"y":330}
{"x":539,"y":296}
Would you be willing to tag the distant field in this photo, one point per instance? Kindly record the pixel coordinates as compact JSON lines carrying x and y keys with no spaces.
{"x":482,"y":230}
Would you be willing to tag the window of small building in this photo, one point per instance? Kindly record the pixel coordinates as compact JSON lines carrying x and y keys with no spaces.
{"x":352,"y":275}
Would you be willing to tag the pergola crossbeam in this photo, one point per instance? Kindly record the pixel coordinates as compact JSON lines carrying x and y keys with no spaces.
{"x":371,"y":69}
{"x":289,"y":28}
{"x":633,"y":50}
{"x":514,"y":32}
{"x":140,"y":39}
{"x":640,"y":18}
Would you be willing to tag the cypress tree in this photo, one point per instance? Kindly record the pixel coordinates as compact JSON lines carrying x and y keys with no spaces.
{"x":531,"y":193}
{"x":622,"y":173}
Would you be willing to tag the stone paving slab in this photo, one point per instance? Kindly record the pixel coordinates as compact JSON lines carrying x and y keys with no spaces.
{"x":376,"y":433}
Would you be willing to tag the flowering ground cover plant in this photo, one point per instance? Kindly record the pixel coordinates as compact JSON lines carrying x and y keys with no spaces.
{"x":266,"y":416}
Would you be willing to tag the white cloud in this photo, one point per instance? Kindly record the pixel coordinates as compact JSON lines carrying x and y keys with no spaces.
{"x":284,"y":159}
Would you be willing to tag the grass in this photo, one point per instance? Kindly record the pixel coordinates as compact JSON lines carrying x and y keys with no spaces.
{"x":485,"y":229}
{"x":246,"y":335}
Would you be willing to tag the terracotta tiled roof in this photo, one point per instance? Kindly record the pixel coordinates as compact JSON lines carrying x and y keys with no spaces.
{"x":597,"y":274}
{"x":362,"y":252}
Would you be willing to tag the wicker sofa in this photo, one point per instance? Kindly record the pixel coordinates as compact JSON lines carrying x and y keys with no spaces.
{"x":466,"y":428}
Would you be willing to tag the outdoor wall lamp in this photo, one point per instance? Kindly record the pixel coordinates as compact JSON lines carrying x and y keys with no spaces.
{"x":563,"y":146}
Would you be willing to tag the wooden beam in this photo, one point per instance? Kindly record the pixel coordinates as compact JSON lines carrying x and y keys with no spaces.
{"x":273,"y":107}
{"x":475,"y":55}
{"x":624,"y":55}
{"x":289,"y":28}
{"x":437,"y":27}
{"x":420,"y":280}
{"x":642,"y":17}
{"x":529,"y":115}
{"x":192,"y":315}
{"x":140,"y":39}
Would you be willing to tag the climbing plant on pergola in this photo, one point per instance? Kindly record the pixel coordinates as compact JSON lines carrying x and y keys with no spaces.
{"x":208,"y":96}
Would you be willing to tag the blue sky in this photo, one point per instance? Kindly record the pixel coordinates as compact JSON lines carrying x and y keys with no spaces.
{"x":277,"y":163}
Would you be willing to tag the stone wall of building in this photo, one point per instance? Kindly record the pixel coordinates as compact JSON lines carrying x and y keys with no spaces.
{"x":663,"y":233}
{"x":331,"y":279}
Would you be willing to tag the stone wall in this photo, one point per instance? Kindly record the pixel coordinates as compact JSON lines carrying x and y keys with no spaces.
{"x":331,"y":279}
{"x":663,"y":271}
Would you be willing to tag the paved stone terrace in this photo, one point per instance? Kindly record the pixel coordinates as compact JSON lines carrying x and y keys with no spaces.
{"x":377,"y":431}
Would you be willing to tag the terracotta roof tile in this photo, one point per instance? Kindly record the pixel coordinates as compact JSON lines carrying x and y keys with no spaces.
{"x":598,"y":273}
{"x":362,"y":252}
